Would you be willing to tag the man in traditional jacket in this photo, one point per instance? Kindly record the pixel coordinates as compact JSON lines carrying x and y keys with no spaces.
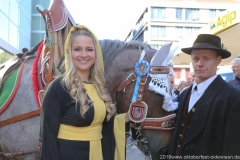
{"x":208,"y":115}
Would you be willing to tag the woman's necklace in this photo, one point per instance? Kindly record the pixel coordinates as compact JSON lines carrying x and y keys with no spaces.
{"x":89,"y":81}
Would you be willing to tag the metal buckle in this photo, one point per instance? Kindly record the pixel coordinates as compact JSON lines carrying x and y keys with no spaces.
{"x":130,"y":77}
{"x":140,"y":90}
{"x":143,"y":83}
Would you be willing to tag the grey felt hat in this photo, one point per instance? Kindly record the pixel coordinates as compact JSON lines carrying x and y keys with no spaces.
{"x":208,"y":41}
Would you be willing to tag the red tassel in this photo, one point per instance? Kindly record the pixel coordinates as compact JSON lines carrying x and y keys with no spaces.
{"x":34,"y":73}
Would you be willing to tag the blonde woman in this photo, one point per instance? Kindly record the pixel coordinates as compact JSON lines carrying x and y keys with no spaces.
{"x":79,"y":120}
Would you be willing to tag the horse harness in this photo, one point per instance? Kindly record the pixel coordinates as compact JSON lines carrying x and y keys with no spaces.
{"x":138,"y":108}
{"x":163,"y":123}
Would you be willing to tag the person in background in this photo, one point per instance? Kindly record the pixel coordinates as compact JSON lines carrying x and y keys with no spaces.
{"x":193,"y":76}
{"x":236,"y":72}
{"x":189,"y":82}
{"x":78,"y":118}
{"x":181,"y":85}
{"x":174,"y":91}
{"x":207,"y":118}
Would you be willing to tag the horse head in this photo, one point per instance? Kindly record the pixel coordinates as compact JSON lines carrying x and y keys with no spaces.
{"x":120,"y":59}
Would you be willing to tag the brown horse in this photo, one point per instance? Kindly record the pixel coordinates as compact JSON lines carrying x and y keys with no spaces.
{"x":119,"y":60}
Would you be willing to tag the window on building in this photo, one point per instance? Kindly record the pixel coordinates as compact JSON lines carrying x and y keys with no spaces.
{"x":13,"y":35}
{"x":4,"y":7}
{"x":179,"y":32}
{"x":26,"y":7}
{"x":14,"y":12}
{"x":156,"y":46}
{"x":25,"y":24}
{"x":190,"y":30}
{"x":192,"y":14}
{"x":24,"y":42}
{"x":179,"y":13}
{"x":157,"y":13}
{"x":34,"y":4}
{"x":212,"y":13}
{"x":221,"y":10}
{"x":37,"y":38}
{"x":4,"y":28}
{"x":158,"y":32}
{"x":36,"y":22}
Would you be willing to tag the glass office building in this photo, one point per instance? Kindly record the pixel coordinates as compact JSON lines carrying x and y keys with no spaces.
{"x":15,"y":16}
{"x":15,"y":31}
{"x":21,"y":26}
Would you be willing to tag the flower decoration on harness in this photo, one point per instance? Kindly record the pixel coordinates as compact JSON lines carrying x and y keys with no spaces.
{"x":142,"y":68}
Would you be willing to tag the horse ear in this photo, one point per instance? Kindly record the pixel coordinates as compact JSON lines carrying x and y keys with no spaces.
{"x":170,"y":55}
{"x":161,"y":55}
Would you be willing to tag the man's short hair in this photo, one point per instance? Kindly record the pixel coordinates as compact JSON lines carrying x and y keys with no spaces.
{"x":237,"y":59}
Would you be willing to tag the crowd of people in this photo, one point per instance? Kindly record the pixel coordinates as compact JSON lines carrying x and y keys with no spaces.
{"x":182,"y":84}
{"x":79,"y":119}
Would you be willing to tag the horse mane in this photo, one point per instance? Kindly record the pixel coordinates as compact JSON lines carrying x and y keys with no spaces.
{"x":111,"y":48}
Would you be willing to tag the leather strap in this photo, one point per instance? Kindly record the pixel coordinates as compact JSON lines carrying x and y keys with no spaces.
{"x":43,"y":13}
{"x":159,"y":123}
{"x":131,"y":78}
{"x":50,"y":62}
{"x":159,"y":70}
{"x":20,"y":117}
{"x":13,"y":154}
{"x":141,"y":89}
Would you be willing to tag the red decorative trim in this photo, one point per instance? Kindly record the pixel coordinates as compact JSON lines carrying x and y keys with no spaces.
{"x":15,"y":89}
{"x":34,"y":73}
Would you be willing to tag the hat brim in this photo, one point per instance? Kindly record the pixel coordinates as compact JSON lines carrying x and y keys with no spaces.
{"x":222,"y":52}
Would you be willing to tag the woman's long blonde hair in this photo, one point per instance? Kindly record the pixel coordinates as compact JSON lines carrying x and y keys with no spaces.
{"x":75,"y":84}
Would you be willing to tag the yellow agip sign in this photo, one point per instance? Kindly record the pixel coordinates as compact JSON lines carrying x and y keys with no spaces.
{"x":224,"y":21}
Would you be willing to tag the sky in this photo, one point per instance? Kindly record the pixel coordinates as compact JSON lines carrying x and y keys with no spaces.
{"x":108,"y":19}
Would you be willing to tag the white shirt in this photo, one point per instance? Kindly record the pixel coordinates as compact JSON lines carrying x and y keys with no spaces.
{"x":196,"y":94}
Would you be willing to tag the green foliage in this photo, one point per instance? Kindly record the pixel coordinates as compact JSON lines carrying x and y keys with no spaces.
{"x":4,"y":56}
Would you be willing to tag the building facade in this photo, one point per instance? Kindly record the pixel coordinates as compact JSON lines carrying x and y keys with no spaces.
{"x":173,"y":20}
{"x":15,"y":32}
{"x":21,"y":26}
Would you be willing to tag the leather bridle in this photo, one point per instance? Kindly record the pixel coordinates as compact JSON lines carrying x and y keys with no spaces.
{"x":161,"y":123}
{"x":145,"y":123}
